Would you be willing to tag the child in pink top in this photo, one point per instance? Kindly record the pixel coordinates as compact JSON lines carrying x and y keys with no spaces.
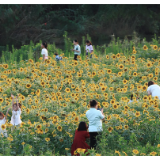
{"x":89,"y":48}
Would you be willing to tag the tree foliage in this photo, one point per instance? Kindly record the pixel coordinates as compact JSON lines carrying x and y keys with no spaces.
{"x":22,"y":23}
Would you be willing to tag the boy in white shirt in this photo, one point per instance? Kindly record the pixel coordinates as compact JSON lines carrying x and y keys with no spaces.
{"x":77,"y":49}
{"x":95,"y":118}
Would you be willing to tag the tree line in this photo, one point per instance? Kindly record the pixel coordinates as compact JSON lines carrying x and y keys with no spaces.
{"x":22,"y":23}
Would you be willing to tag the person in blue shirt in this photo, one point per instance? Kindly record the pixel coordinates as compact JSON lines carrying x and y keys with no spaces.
{"x":57,"y":57}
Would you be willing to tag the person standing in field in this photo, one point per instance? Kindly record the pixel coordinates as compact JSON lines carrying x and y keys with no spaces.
{"x":153,"y":89}
{"x":89,"y":48}
{"x":3,"y":120}
{"x":44,"y":51}
{"x":95,"y":118}
{"x":16,"y":113}
{"x":77,"y":49}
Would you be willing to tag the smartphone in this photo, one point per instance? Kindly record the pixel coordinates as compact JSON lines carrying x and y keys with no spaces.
{"x":99,"y":109}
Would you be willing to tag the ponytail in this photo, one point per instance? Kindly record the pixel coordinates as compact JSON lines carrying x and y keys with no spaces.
{"x":90,"y":43}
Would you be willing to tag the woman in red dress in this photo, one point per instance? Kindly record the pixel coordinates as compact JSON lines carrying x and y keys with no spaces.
{"x":80,"y":138}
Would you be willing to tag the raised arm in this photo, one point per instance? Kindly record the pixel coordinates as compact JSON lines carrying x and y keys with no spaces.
{"x":17,"y":102}
{"x":12,"y":100}
{"x":7,"y":113}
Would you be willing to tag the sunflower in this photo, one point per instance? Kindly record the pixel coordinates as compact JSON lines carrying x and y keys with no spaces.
{"x":47,"y":139}
{"x":103,"y":89}
{"x":156,"y":73}
{"x":67,"y":90}
{"x":3,"y":126}
{"x":112,"y":101}
{"x":93,"y":73}
{"x":144,"y":88}
{"x":135,"y":151}
{"x":110,"y":129}
{"x":155,"y":47}
{"x":134,"y":51}
{"x":23,"y":143}
{"x":126,"y":126}
{"x":145,"y":47}
{"x":155,"y":78}
{"x":121,"y":119}
{"x":119,"y":74}
{"x":107,"y":56}
{"x":125,"y":81}
{"x":39,"y":126}
{"x":59,"y":128}
{"x":153,"y":153}
{"x":1,"y":100}
{"x":61,"y":139}
{"x":126,"y":107}
{"x":150,"y":75}
{"x":117,"y":127}
{"x":28,"y":110}
{"x":118,"y":55}
{"x":5,"y":66}
{"x":76,"y":119}
{"x":137,"y":114}
{"x":149,"y":65}
{"x":135,"y":74}
{"x":42,"y":83}
{"x":77,"y":89}
{"x":109,"y":117}
{"x":111,"y":88}
{"x":115,"y":106}
{"x":28,"y":85}
{"x":109,"y":71}
{"x":121,"y":66}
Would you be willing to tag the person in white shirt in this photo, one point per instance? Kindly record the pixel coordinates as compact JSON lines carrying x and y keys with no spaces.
{"x":95,"y":118}
{"x":153,"y":89}
{"x":44,"y":51}
{"x":2,"y":122}
{"x":89,"y":48}
{"x":16,"y":113}
{"x":77,"y":49}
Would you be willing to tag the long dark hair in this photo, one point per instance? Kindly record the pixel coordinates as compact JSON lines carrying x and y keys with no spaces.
{"x":131,"y":96}
{"x":82,"y":126}
{"x":44,"y":44}
{"x":90,"y":43}
{"x":150,"y":83}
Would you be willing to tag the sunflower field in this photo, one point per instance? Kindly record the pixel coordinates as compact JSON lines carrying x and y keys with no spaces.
{"x":55,"y":97}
